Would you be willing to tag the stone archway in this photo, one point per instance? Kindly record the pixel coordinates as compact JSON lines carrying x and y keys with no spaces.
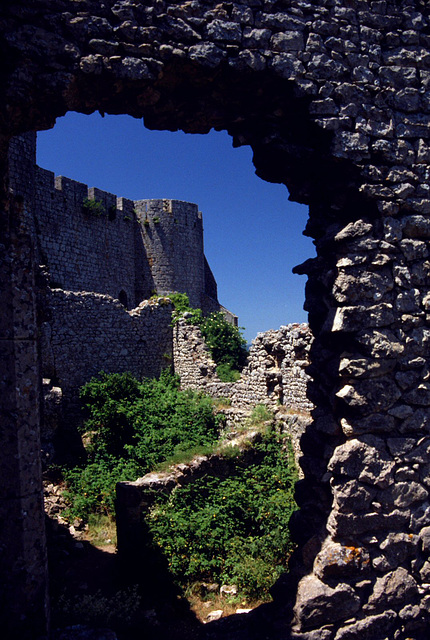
{"x":333,"y":98}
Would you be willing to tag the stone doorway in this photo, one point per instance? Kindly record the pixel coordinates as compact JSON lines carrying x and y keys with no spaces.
{"x":332,"y":97}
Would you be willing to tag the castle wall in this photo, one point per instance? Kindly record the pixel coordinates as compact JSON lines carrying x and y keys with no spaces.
{"x":173,"y":239}
{"x":85,"y":250}
{"x":89,"y":332}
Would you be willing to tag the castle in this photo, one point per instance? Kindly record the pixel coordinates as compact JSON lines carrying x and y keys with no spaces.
{"x":106,"y":265}
{"x":108,"y":262}
{"x":333,"y":98}
{"x":92,"y":240}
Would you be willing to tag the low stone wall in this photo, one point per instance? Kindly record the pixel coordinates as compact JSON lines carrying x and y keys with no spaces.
{"x":135,"y":499}
{"x":275,"y":374}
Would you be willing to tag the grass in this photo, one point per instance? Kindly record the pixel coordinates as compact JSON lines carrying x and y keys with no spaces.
{"x":184,"y":457}
{"x":101,"y":530}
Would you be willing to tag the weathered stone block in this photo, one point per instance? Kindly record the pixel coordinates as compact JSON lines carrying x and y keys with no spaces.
{"x":318,"y":604}
{"x":396,"y":588}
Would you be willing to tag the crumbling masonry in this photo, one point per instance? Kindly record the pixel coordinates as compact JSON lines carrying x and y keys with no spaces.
{"x":334,"y":98}
{"x":101,"y":256}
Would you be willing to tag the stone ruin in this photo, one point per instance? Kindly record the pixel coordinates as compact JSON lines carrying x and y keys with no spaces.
{"x":274,"y":375}
{"x":333,"y":96}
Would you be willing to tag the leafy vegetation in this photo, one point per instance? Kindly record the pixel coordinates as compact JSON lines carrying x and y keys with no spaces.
{"x":217,"y":529}
{"x":227,"y":374}
{"x":232,"y":530}
{"x":131,"y":427}
{"x":93,"y":207}
{"x":225,"y":341}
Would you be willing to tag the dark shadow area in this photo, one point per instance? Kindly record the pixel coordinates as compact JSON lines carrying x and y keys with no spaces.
{"x":88,"y":587}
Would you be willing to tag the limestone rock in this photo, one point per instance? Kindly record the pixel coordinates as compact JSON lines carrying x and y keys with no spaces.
{"x":214,"y":615}
{"x":364,"y":459}
{"x":370,"y":628}
{"x":336,"y":560}
{"x":318,"y":604}
{"x":396,"y":588}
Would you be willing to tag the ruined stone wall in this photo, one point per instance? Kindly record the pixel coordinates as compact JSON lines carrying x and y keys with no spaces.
{"x":275,"y":373}
{"x":276,"y":370}
{"x":333,"y":97}
{"x":89,"y":332}
{"x":192,"y":360}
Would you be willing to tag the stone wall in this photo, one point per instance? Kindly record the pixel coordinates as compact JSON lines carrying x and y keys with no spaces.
{"x":89,"y":332}
{"x":276,"y":370}
{"x":333,"y":97}
{"x":192,"y":360}
{"x":275,"y":373}
{"x":85,"y":251}
{"x":92,"y":240}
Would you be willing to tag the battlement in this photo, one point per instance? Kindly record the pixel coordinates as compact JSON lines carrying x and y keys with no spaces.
{"x":93,"y":240}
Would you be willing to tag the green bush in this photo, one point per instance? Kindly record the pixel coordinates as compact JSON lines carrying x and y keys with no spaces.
{"x":234,"y":529}
{"x":227,"y":374}
{"x":131,"y":427}
{"x":91,"y":489}
{"x":225,"y":341}
{"x":93,"y":207}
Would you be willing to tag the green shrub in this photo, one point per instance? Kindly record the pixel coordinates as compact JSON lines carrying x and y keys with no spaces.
{"x":225,"y":341}
{"x":233,"y":529}
{"x":131,"y":427}
{"x":93,"y":207}
{"x":226,"y":373}
{"x":91,"y":489}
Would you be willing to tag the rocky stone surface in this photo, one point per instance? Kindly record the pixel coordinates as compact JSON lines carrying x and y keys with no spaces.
{"x":275,"y":373}
{"x":333,"y":97}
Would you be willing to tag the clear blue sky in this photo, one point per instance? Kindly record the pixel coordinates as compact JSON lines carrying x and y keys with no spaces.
{"x":252,"y":233}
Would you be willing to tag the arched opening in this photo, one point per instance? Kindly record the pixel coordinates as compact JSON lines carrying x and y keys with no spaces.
{"x":245,"y":247}
{"x":269,"y":160}
{"x":274,"y":173}
{"x":122,"y":297}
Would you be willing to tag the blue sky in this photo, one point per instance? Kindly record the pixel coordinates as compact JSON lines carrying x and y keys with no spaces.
{"x":252,"y":233}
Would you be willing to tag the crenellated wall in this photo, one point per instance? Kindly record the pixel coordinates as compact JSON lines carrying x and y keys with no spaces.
{"x":91,"y":240}
{"x":84,"y":250}
{"x":172,"y":234}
